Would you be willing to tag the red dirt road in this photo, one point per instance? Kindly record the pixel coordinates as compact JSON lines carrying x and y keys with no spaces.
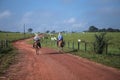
{"x":50,"y":65}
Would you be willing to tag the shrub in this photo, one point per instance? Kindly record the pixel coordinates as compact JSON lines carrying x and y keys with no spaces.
{"x":100,"y":42}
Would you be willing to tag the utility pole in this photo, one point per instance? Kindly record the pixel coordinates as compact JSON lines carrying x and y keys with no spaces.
{"x":24,"y":30}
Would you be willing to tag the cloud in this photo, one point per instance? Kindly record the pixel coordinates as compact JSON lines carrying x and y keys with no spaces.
{"x":37,"y":17}
{"x":77,"y":25}
{"x":5,"y":14}
{"x":70,"y":21}
{"x":26,"y":19}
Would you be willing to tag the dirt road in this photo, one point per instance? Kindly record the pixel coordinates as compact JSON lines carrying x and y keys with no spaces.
{"x":51,"y":65}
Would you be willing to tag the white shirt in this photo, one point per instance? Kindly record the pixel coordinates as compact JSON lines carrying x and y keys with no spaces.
{"x":36,"y":38}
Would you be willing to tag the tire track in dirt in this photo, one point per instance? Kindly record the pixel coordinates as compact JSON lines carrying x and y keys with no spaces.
{"x":51,"y":65}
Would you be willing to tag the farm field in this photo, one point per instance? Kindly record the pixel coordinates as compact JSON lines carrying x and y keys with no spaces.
{"x":113,"y":47}
{"x":13,"y":36}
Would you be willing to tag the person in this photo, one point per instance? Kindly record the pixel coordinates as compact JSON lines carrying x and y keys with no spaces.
{"x":60,"y":41}
{"x":37,"y":41}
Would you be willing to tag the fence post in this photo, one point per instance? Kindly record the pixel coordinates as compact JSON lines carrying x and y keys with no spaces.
{"x":73,"y":45}
{"x":68,"y":44}
{"x":94,"y":47}
{"x":6,"y":43}
{"x":106,"y":48}
{"x":0,"y":44}
{"x":78,"y":45}
{"x":85,"y":46}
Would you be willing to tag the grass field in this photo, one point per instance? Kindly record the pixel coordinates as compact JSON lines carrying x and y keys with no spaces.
{"x":13,"y":36}
{"x":113,"y":47}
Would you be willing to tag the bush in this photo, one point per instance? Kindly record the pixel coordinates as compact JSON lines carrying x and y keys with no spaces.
{"x":100,"y":42}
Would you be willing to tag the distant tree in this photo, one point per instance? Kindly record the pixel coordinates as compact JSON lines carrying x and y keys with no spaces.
{"x":53,"y":31}
{"x":117,"y":30}
{"x":30,"y":30}
{"x":93,"y":29}
{"x":63,"y":31}
{"x":47,"y":31}
{"x":113,"y":30}
{"x":102,"y":30}
{"x":110,"y":30}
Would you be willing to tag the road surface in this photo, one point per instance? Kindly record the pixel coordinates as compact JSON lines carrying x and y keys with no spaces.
{"x":51,"y":65}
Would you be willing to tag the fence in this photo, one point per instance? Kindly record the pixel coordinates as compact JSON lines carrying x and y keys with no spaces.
{"x":4,"y":43}
{"x":79,"y":46}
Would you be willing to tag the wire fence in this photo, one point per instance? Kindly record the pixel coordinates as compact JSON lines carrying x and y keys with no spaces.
{"x":79,"y":46}
{"x":4,"y":43}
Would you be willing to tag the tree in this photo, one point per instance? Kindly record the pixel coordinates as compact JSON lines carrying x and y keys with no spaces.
{"x":47,"y":31}
{"x":30,"y":30}
{"x":53,"y":31}
{"x":93,"y":29}
{"x":110,"y":30}
{"x":100,"y":42}
{"x":102,"y":30}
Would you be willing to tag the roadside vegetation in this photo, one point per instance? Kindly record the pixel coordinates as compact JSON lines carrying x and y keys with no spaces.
{"x":7,"y":54}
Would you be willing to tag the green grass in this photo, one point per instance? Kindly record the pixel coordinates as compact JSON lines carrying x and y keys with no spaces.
{"x":13,"y":36}
{"x":109,"y":60}
{"x":7,"y":57}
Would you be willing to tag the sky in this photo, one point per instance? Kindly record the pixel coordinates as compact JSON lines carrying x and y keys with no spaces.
{"x":58,"y":15}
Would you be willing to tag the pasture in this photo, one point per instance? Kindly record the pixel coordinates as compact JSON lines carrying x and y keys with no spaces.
{"x":113,"y":46}
{"x":13,"y":36}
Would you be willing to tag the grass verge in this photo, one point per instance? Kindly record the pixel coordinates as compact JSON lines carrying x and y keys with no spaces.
{"x":7,"y":57}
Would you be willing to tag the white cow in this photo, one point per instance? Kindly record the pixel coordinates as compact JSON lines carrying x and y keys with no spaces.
{"x":53,"y":38}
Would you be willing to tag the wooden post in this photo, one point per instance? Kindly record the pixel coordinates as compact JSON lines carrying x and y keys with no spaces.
{"x":73,"y":45}
{"x":24,"y":31}
{"x":94,"y":47}
{"x":78,"y":45}
{"x":5,"y":42}
{"x":85,"y":46}
{"x":68,"y":44}
{"x":0,"y":45}
{"x":106,"y":48}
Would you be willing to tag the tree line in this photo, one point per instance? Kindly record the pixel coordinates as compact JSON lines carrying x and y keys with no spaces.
{"x":95,"y":29}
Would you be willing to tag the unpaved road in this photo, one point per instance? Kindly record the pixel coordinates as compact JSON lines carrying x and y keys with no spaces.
{"x":51,"y":65}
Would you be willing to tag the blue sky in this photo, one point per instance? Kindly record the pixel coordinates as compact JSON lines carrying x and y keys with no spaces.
{"x":58,"y":15}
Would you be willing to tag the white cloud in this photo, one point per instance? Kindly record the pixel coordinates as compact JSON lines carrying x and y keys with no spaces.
{"x":26,"y":18}
{"x":5,"y":14}
{"x":77,"y":25}
{"x":37,"y":17}
{"x":70,"y":21}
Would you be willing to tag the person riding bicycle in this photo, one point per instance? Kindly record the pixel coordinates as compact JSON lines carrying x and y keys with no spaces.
{"x":36,"y":40}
